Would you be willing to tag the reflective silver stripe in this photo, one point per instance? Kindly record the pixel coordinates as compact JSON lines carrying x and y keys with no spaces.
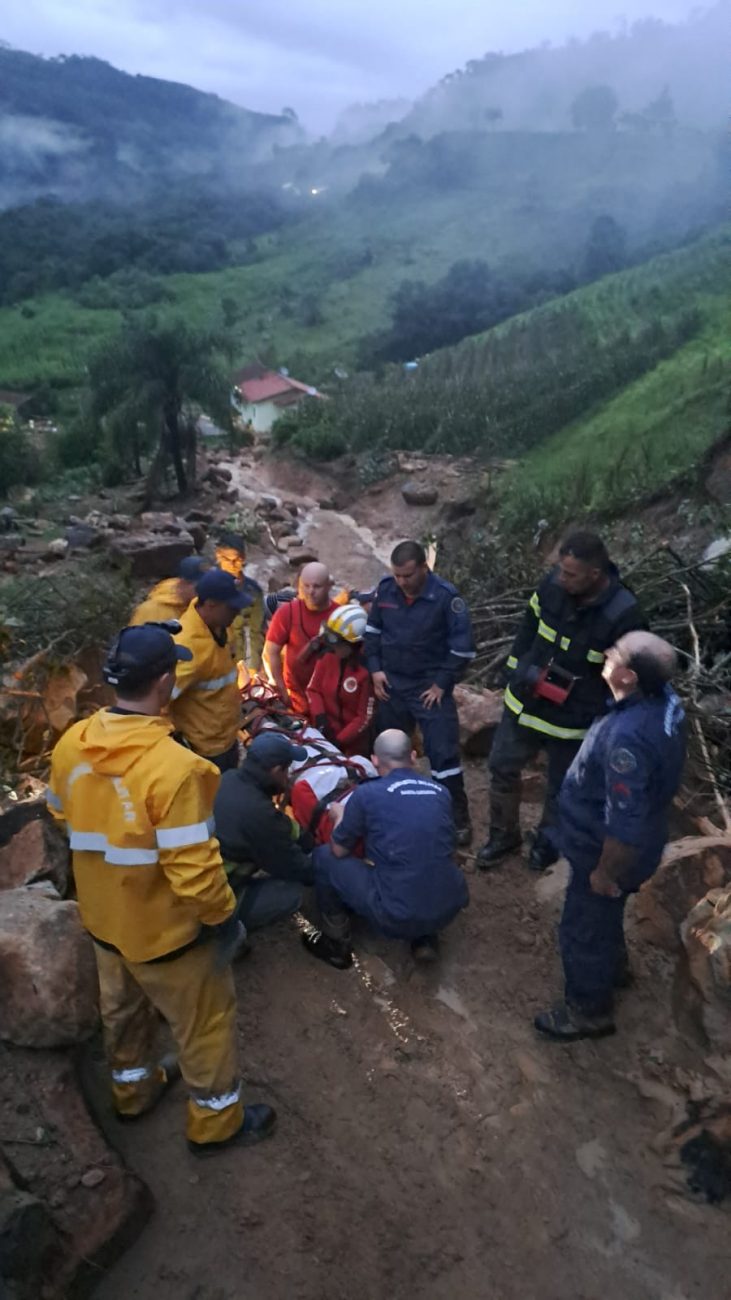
{"x":81,"y":769}
{"x":464,"y":654}
{"x":176,"y":693}
{"x":114,"y":854}
{"x":179,"y":837}
{"x":220,"y":1102}
{"x":53,"y":801}
{"x":134,"y":1075}
{"x":449,"y":771}
{"x":215,"y":683}
{"x":375,"y":630}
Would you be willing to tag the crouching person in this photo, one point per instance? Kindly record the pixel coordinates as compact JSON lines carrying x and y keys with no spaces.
{"x":266,"y":861}
{"x":154,"y":897}
{"x":409,"y":885}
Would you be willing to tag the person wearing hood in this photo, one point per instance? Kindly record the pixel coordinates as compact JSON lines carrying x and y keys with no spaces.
{"x":246,"y":633}
{"x":153,"y":895}
{"x":170,"y":598}
{"x":205,"y":705}
{"x":262,"y":848}
{"x":555,"y":688}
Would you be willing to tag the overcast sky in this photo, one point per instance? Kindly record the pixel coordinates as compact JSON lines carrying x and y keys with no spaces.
{"x":317,"y":56}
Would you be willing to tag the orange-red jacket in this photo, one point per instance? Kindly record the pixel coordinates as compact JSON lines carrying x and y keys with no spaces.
{"x":340,"y":691}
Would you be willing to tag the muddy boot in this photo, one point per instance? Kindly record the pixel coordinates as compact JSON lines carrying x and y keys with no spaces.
{"x":566,"y":1024}
{"x":426,"y":949}
{"x":542,"y":853}
{"x":334,"y":951}
{"x":259,"y":1122}
{"x":504,"y":837}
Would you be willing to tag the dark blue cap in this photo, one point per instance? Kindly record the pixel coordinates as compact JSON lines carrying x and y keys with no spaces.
{"x":192,"y":568}
{"x":223,"y":587}
{"x":141,"y":654}
{"x":271,"y":749}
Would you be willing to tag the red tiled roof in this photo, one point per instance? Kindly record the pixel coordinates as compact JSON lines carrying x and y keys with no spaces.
{"x":264,"y":385}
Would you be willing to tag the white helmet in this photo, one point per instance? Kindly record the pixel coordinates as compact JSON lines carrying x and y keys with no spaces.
{"x":348,"y":623}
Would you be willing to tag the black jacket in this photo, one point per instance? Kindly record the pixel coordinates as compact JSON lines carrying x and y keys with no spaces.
{"x":555,"y":629}
{"x":251,"y":830}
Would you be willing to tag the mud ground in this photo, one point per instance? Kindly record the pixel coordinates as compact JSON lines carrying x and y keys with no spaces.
{"x":429,"y":1144}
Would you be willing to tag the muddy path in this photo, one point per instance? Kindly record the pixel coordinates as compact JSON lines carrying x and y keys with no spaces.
{"x":429,"y":1145}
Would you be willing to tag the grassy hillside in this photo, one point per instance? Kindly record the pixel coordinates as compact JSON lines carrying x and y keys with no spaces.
{"x":523,"y":204}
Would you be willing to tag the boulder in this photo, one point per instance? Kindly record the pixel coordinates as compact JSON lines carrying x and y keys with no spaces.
{"x":30,"y":1244}
{"x":690,"y":867}
{"x":8,"y":518}
{"x":39,"y":851}
{"x":461,"y":508}
{"x":198,"y":533}
{"x":231,"y":495}
{"x":288,"y":542}
{"x":304,"y":556}
{"x":706,"y":936}
{"x":479,"y":712}
{"x":47,"y":971}
{"x":161,"y":521}
{"x":81,"y":537}
{"x":120,"y":523}
{"x":218,"y":474}
{"x":152,"y":555}
{"x":198,"y":517}
{"x":419,"y":494}
{"x":327,"y":503}
{"x":57,"y":549}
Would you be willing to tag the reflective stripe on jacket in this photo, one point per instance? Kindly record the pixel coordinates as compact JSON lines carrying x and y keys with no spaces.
{"x":138,"y":809}
{"x":556,"y":629}
{"x":206,"y":706}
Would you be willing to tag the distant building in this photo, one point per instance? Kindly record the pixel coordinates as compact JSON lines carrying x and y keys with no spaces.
{"x":260,"y":396}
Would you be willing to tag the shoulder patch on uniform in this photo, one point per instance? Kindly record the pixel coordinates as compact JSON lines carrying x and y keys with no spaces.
{"x":458,"y":605}
{"x":622,"y":761}
{"x":350,"y":685}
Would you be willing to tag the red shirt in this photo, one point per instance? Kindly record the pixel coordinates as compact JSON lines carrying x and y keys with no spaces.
{"x":294,"y":626}
{"x":341,"y":690}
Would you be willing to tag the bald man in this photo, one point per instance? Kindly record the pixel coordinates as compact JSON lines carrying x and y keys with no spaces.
{"x":408,"y":886}
{"x":291,"y":646}
{"x":613,"y":826}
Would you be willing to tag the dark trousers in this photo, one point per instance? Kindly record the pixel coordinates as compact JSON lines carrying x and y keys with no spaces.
{"x":512,"y":749}
{"x":439,"y":727}
{"x":591,"y":941}
{"x":224,"y":762}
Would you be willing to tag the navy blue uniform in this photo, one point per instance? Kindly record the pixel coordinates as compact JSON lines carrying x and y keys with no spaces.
{"x":419,"y":643}
{"x":620,"y":785}
{"x":414,"y":886}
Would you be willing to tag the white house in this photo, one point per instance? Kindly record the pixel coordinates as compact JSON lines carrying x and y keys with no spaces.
{"x":260,"y":396}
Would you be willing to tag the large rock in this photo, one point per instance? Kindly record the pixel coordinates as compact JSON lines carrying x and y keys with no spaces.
{"x":47,"y":971}
{"x":706,"y":935}
{"x":300,"y":557}
{"x":38,"y":852}
{"x":690,"y":867}
{"x":31,"y":1249}
{"x":82,"y":537}
{"x":161,"y":521}
{"x":479,"y":712}
{"x":57,"y":549}
{"x":419,"y":494}
{"x":152,"y":555}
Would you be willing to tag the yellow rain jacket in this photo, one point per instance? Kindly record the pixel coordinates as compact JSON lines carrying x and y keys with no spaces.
{"x":138,"y":808}
{"x":160,"y":604}
{"x":206,"y":705}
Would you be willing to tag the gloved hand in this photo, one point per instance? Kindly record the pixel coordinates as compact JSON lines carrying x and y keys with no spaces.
{"x":229,"y":938}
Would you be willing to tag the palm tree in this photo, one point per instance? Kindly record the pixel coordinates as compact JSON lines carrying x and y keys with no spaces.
{"x":146,"y":386}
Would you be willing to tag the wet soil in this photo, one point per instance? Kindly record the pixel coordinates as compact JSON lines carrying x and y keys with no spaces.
{"x":429,"y":1144}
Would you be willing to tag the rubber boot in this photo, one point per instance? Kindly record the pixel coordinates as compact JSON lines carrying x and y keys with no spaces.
{"x":504,"y":837}
{"x":460,"y":808}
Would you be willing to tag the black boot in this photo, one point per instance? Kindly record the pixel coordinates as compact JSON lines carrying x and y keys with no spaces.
{"x":565,"y":1024}
{"x":542,"y":853}
{"x":426,"y":949}
{"x":501,"y":844}
{"x":336,"y":952}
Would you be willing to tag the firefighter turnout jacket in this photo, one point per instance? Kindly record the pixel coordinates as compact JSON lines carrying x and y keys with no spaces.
{"x":425,"y":640}
{"x":206,"y":706}
{"x":138,"y":808}
{"x":557,"y":630}
{"x":160,"y":604}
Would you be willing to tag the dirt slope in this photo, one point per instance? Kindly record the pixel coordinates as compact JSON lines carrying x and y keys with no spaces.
{"x":429,"y":1145}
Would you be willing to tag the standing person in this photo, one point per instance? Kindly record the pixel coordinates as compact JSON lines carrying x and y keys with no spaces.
{"x":293,"y":637}
{"x":247,"y":630}
{"x":418,"y":644}
{"x":411,"y":887}
{"x":205,"y":705}
{"x":339,"y":691}
{"x":613,"y":812}
{"x":153,"y":895}
{"x":555,"y":688}
{"x":170,"y":598}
